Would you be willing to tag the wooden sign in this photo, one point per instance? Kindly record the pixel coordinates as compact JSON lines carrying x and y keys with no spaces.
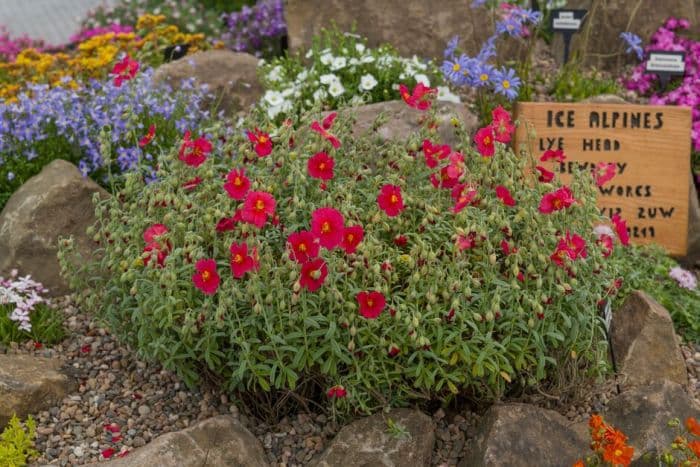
{"x":649,"y":145}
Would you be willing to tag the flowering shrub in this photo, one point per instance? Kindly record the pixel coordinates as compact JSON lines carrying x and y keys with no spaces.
{"x":48,"y":123}
{"x":192,"y":16}
{"x":341,"y":70}
{"x":683,"y":91}
{"x":611,"y":449}
{"x":258,"y":30}
{"x":95,"y":57}
{"x":383,"y":273}
{"x":24,"y":313}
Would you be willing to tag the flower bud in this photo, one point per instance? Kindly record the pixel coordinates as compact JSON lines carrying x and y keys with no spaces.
{"x":296,"y":287}
{"x":351,"y":346}
{"x":489,"y":316}
{"x":353,"y":330}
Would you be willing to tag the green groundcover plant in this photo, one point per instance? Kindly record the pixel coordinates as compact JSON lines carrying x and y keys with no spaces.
{"x":17,"y":442}
{"x":340,"y":69}
{"x":384,"y":273}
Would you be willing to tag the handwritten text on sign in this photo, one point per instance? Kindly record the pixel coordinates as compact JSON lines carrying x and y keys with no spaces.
{"x":650,"y":147}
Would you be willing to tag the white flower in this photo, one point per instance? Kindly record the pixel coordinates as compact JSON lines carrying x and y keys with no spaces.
{"x":367,"y":82}
{"x":273,"y":98}
{"x":360,"y":47}
{"x":287,"y":92}
{"x":320,"y":94}
{"x":284,"y":106}
{"x":421,"y":78}
{"x":338,"y":63}
{"x":301,"y":77}
{"x":275,"y":74}
{"x":357,"y":100}
{"x":354,"y":61}
{"x":309,"y":54}
{"x":444,"y":94}
{"x":367,"y":59}
{"x":336,"y":89}
{"x":418,"y":63}
{"x":328,"y":79}
{"x":327,"y":58}
{"x":601,"y":229}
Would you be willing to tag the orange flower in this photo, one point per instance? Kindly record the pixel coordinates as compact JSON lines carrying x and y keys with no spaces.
{"x":695,"y":447}
{"x":618,"y":454}
{"x":579,"y":463}
{"x":693,"y":426}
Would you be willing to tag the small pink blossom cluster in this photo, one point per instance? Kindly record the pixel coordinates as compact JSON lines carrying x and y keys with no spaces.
{"x":667,"y":38}
{"x":685,"y":279}
{"x":11,"y":46}
{"x":24,"y":293}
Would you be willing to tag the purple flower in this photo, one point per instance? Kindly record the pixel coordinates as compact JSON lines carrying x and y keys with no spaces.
{"x":451,"y":47}
{"x":257,"y":30}
{"x":685,"y":279}
{"x":510,"y":26}
{"x":634,"y":44}
{"x":458,"y":71}
{"x":506,"y":82}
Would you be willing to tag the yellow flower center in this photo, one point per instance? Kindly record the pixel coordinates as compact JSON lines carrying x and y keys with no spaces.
{"x":394,"y":199}
{"x":557,"y":203}
{"x":206,"y":275}
{"x":350,"y":237}
{"x":456,"y":67}
{"x":262,"y":139}
{"x":370,"y":302}
{"x":302,"y":247}
{"x":238,"y":259}
{"x":487,"y":140}
{"x":506,"y":84}
{"x":326,"y":227}
{"x":238,"y":181}
{"x":618,"y":452}
{"x":322,"y":166}
{"x":260,"y":205}
{"x":484,"y":77}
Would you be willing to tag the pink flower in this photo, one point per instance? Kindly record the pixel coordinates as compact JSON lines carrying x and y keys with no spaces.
{"x":241,"y":261}
{"x":148,"y":137}
{"x":192,"y":183}
{"x":124,"y":70}
{"x":205,"y":277}
{"x":313,"y":274}
{"x":434,"y":153}
{"x":337,"y":392}
{"x":463,"y":195}
{"x":327,"y":224}
{"x":237,"y":184}
{"x":466,"y":242}
{"x":352,"y":236}
{"x":371,"y":304}
{"x":390,"y":200}
{"x":603,"y":173}
{"x":261,"y":142}
{"x":504,"y":195}
{"x":502,"y":125}
{"x":304,"y":246}
{"x":621,"y":229}
{"x":484,"y":140}
{"x":550,"y":154}
{"x":419,"y":98}
{"x":545,"y":175}
{"x":258,"y":205}
{"x":321,"y":166}
{"x":194,"y":153}
{"x":557,"y":200}
{"x":322,"y":129}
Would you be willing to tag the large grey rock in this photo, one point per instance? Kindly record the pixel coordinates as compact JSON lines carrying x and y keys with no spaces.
{"x":645,"y":344}
{"x":401,"y":121}
{"x":29,"y":385}
{"x":522,"y":435}
{"x":56,"y":202}
{"x":231,"y":77}
{"x":216,"y":442}
{"x":599,"y":44}
{"x":413,"y":27}
{"x":366,"y":442}
{"x":643,"y":414}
